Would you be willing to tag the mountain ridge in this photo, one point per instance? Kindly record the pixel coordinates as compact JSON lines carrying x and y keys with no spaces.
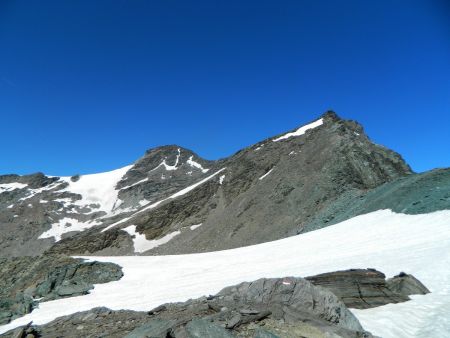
{"x":269,"y":190}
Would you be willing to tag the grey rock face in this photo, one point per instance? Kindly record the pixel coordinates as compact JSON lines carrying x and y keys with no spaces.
{"x":406,"y":285}
{"x":199,"y":328}
{"x":154,"y":328}
{"x":289,"y":299}
{"x":23,"y":280}
{"x":285,"y":307}
{"x":413,"y":194}
{"x":367,"y":288}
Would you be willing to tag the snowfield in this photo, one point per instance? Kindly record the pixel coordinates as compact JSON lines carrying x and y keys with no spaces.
{"x":384,"y":240}
{"x":300,"y":131}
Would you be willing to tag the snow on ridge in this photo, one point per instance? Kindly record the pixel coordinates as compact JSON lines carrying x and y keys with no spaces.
{"x":197,"y":165}
{"x":374,"y":242}
{"x":142,"y":244}
{"x":195,"y":226}
{"x":300,"y":131}
{"x":167,"y":166}
{"x":34,"y":192}
{"x":135,"y":183}
{"x":175,"y":195}
{"x":267,"y":173}
{"x":11,"y":186}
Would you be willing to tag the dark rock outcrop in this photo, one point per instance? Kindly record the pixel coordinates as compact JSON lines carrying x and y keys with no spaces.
{"x":367,"y":288}
{"x":24,"y":281}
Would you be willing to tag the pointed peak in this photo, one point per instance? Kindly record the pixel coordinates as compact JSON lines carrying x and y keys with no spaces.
{"x":331,"y":115}
{"x":166,"y":149}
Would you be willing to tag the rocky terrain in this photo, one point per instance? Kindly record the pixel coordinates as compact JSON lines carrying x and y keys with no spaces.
{"x":257,"y":309}
{"x":26,"y":281}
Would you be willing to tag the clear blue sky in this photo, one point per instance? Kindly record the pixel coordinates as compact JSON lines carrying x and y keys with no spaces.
{"x":88,"y":86}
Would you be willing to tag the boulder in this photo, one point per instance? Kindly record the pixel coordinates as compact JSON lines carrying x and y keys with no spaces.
{"x":406,"y":285}
{"x":367,"y":288}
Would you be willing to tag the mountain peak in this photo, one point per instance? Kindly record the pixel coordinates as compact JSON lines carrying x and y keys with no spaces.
{"x":330,"y":115}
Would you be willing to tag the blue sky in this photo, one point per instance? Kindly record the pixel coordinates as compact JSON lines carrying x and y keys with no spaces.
{"x":88,"y":86}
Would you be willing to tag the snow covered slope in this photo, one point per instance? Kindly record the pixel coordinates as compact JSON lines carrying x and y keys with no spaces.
{"x":384,"y":240}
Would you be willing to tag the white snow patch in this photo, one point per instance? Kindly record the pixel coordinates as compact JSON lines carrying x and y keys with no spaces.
{"x":142,"y":244}
{"x":195,"y":226}
{"x":65,"y":200}
{"x":66,"y":225}
{"x":43,"y":201}
{"x":143,"y":202}
{"x":97,"y":188}
{"x":384,"y":240}
{"x":10,"y":206}
{"x":167,"y":166}
{"x":221,"y":178}
{"x":11,"y":186}
{"x":258,"y":148}
{"x":197,"y":165}
{"x":177,"y":194}
{"x":34,"y":192}
{"x":267,"y":173}
{"x":300,"y":131}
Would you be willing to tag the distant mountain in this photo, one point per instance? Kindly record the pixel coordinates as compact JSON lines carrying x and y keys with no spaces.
{"x":171,"y":201}
{"x":374,"y":218}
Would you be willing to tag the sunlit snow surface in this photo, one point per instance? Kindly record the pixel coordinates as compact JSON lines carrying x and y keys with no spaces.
{"x":95,"y":189}
{"x":389,"y":242}
{"x":142,"y":244}
{"x":300,"y":131}
{"x":11,"y":186}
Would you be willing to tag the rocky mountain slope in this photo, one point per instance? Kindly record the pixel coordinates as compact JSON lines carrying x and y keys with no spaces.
{"x":171,"y":201}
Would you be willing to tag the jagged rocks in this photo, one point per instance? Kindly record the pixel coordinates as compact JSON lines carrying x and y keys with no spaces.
{"x":367,"y":288}
{"x":23,"y":280}
{"x":283,"y":307}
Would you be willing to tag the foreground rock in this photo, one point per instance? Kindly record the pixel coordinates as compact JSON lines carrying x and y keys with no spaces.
{"x":406,"y":285}
{"x":24,"y":280}
{"x":285,"y":307}
{"x":367,"y":288}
